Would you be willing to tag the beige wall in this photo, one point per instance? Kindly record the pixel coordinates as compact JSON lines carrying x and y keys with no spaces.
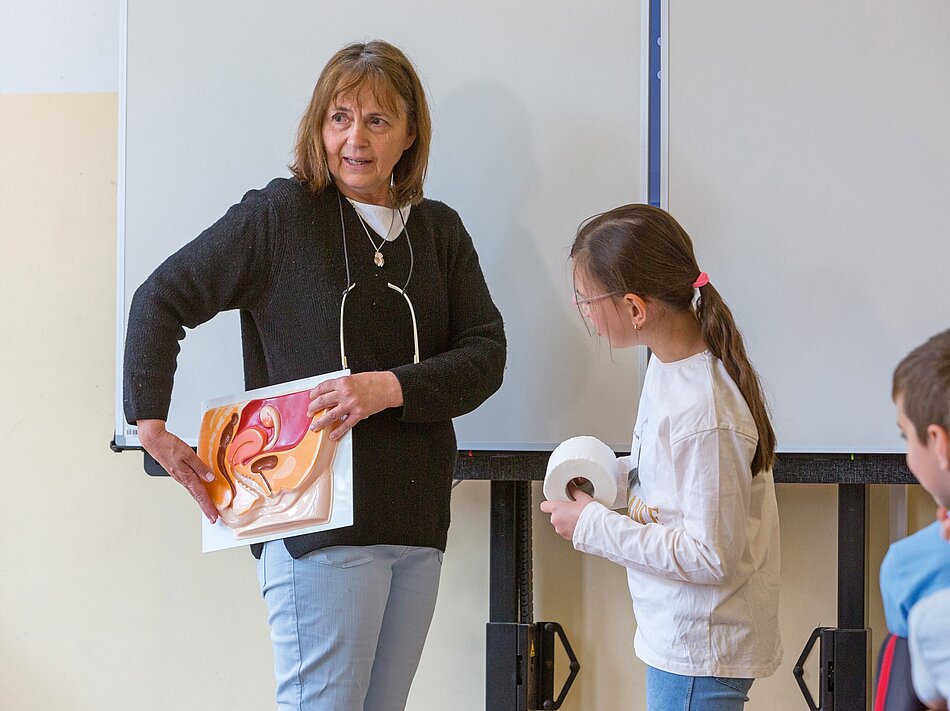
{"x":106,"y":603}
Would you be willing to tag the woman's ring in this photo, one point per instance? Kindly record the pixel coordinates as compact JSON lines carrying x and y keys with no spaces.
{"x":343,"y":417}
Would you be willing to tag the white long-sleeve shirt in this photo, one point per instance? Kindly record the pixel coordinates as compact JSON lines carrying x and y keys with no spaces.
{"x":701,"y":539}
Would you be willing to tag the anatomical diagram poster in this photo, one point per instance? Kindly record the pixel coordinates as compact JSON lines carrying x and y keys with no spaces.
{"x":273,"y":476}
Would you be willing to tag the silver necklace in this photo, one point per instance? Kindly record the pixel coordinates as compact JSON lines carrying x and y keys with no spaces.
{"x":352,"y":285}
{"x":346,"y":256}
{"x":378,"y":258}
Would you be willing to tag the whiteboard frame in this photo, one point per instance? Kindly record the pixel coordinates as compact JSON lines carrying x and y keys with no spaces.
{"x":125,"y":435}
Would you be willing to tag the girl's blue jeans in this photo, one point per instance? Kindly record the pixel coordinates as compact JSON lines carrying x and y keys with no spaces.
{"x":673,"y":692}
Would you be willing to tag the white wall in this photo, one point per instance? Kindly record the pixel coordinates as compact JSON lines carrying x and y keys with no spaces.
{"x":59,"y":46}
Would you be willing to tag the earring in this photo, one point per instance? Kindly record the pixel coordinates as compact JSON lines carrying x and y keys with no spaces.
{"x":636,"y":327}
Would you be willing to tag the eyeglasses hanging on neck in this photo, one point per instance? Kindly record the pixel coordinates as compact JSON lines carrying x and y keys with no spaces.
{"x":402,"y":291}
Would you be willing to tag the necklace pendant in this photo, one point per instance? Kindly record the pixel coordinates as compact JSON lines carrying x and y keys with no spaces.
{"x":378,"y":259}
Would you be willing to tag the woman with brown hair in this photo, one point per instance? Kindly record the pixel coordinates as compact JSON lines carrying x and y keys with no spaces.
{"x":700,"y":539}
{"x":343,"y":265}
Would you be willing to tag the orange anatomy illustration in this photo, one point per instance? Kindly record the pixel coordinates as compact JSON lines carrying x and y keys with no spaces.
{"x":271,"y":472}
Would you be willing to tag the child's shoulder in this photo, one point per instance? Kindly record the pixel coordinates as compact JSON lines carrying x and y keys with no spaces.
{"x":701,"y":396}
{"x":913,"y":567}
{"x":924,"y":549}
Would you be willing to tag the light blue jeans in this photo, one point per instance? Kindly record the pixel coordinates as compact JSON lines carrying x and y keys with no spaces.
{"x":673,"y":692}
{"x":348,"y":623}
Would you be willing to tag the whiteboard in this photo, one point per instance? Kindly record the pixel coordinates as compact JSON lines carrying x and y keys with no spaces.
{"x":536,"y":111}
{"x":807,"y":153}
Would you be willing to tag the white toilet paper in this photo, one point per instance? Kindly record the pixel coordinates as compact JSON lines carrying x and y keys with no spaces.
{"x":591,"y":459}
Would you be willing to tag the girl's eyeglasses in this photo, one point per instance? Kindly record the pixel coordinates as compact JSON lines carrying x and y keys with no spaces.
{"x":583,"y":302}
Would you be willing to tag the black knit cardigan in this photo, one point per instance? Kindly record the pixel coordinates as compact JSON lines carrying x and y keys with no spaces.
{"x":278,"y":257}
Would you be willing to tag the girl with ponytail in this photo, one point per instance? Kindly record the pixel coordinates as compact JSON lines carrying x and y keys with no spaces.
{"x":700,"y":541}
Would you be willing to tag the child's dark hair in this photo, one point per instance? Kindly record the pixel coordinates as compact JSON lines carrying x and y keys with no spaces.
{"x":642,"y":250}
{"x":923,"y":381}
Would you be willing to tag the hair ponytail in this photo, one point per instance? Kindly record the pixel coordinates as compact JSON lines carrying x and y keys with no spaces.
{"x":724,"y":340}
{"x":642,"y":250}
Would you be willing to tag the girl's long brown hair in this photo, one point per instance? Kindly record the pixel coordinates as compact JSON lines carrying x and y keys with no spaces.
{"x":640,"y":249}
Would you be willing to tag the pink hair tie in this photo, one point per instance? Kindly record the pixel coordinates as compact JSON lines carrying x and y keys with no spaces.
{"x":701,"y":280}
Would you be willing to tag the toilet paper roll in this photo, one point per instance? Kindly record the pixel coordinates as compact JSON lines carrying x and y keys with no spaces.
{"x":591,"y":459}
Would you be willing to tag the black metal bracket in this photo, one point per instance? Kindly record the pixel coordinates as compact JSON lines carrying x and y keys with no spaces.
{"x":521,"y":666}
{"x":841,"y":653}
{"x":152,"y":467}
{"x":545,"y":664}
{"x":798,"y":671}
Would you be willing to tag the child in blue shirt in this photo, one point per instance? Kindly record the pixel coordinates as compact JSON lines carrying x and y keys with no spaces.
{"x":915,"y":574}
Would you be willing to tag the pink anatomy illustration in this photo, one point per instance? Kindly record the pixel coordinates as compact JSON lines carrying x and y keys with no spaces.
{"x":272,"y":474}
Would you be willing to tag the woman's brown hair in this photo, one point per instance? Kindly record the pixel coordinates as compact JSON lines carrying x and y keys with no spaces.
{"x":642,"y":250}
{"x":392,"y":78}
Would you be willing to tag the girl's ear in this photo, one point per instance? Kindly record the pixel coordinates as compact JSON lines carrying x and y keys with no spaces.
{"x":938,"y":440}
{"x":636,"y":309}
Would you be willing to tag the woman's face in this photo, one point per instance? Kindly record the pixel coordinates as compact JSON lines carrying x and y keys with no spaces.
{"x":363,"y":142}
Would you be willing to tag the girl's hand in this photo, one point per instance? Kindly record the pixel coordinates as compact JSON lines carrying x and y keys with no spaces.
{"x":944,"y":519}
{"x":352,"y":398}
{"x":180,"y":461}
{"x":564,"y":514}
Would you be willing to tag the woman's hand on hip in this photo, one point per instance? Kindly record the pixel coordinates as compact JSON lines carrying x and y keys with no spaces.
{"x":180,"y":461}
{"x":564,"y":514}
{"x":342,"y":402}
